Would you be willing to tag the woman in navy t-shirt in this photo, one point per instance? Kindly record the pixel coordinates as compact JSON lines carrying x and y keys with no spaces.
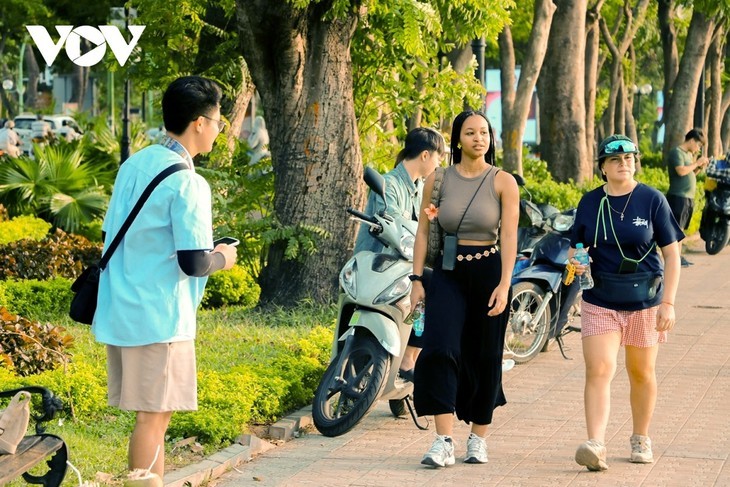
{"x":623,"y":223}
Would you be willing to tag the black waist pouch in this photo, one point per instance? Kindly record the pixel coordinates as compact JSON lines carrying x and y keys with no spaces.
{"x":626,"y":288}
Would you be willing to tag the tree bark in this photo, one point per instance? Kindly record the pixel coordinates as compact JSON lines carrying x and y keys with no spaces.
{"x":684,"y":91}
{"x":79,"y":80}
{"x":666,"y":14}
{"x":301,"y":64}
{"x":516,"y":104}
{"x":717,"y":68}
{"x":32,"y":71}
{"x":725,"y":127}
{"x":561,"y":90}
{"x":593,"y":38}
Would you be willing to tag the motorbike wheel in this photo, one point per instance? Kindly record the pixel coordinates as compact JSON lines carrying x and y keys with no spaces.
{"x":717,"y":237}
{"x":341,"y":402}
{"x":398,"y":407}
{"x":523,"y":340}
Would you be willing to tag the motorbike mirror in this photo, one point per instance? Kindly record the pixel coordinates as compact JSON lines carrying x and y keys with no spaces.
{"x":375,"y":181}
{"x":520,"y":180}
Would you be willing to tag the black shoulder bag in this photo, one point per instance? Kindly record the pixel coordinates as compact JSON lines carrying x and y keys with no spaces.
{"x":86,"y":286}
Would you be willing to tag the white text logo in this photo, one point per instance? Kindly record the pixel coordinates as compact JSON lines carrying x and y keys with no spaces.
{"x":105,"y":34}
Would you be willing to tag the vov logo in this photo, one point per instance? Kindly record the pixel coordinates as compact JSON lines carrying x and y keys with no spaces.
{"x":101,"y":37}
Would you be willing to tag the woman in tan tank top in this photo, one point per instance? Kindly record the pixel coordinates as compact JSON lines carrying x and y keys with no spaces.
{"x":460,"y":368}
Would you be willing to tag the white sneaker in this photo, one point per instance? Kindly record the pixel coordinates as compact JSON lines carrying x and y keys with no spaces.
{"x":641,"y":449}
{"x":441,"y":452}
{"x":507,"y":364}
{"x":476,"y":449}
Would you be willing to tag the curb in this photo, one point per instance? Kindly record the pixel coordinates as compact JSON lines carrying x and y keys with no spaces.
{"x":245,"y":448}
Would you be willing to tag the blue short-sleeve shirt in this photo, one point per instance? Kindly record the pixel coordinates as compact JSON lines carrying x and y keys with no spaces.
{"x":144,"y":296}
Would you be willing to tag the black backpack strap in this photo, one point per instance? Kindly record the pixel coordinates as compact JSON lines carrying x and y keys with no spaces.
{"x":137,"y":207}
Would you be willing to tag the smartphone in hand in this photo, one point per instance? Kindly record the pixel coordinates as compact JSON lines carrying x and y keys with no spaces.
{"x":226,"y":240}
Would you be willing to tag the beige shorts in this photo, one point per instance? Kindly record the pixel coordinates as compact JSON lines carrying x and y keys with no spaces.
{"x":153,"y":378}
{"x":637,"y":328}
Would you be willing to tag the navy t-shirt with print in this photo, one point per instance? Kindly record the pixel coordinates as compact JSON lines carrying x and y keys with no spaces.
{"x":647,"y":219}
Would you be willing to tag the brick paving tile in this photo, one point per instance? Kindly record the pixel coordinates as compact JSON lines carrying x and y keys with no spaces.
{"x":533,"y":438}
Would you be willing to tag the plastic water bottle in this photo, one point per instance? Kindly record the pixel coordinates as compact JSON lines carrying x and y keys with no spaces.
{"x":581,"y":255}
{"x":419,"y":318}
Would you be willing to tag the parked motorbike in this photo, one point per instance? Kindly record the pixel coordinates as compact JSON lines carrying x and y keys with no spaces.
{"x":371,"y":331}
{"x":542,"y":304}
{"x":715,"y":222}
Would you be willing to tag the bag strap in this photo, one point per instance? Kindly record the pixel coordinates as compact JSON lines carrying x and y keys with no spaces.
{"x":137,"y":207}
{"x":472,"y":199}
{"x":437,"y":181}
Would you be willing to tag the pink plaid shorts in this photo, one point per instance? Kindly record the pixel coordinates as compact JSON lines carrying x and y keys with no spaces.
{"x":637,"y":328}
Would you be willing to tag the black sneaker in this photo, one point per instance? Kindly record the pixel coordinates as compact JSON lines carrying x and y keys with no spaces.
{"x":685,"y":262}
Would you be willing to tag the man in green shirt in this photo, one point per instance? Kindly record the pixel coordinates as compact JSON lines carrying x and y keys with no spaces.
{"x":683,"y":164}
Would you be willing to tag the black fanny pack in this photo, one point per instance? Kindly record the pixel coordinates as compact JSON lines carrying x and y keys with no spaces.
{"x":626,"y":288}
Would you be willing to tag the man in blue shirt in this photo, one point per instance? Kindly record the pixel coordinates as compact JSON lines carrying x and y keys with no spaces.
{"x":153,"y":284}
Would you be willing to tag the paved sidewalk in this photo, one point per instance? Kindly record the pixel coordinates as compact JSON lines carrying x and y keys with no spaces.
{"x":533,"y":438}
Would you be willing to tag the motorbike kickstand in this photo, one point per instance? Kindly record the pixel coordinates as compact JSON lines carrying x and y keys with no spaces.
{"x":559,"y":339}
{"x":413,"y":414}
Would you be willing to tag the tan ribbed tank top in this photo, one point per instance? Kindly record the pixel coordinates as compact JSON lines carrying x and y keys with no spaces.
{"x":481,"y":221}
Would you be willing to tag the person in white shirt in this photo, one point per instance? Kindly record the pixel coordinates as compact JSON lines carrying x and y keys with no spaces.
{"x":9,"y":140}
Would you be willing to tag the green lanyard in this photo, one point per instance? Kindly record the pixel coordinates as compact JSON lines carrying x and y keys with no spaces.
{"x":600,"y":218}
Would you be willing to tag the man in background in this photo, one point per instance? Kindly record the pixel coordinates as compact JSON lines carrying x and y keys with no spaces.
{"x":684,"y":162}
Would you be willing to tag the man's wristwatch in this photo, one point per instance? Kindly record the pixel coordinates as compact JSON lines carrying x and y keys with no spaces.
{"x":415,"y":277}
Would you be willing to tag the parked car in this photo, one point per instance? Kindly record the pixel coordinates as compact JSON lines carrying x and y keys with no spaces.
{"x":62,"y":126}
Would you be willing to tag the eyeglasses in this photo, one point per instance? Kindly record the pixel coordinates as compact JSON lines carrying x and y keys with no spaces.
{"x":619,"y":147}
{"x":222,"y":124}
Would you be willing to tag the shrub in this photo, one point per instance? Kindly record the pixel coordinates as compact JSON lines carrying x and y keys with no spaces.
{"x":30,"y":347}
{"x":37,"y":300}
{"x":544,"y":189}
{"x":234,"y":286}
{"x":652,"y":160}
{"x":58,"y":255}
{"x":23,"y":227}
{"x":91,"y":230}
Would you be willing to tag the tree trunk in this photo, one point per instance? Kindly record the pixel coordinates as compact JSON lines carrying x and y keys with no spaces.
{"x":593,"y":38}
{"x":666,"y":14}
{"x":237,"y":111}
{"x":516,"y":105}
{"x":618,"y":98}
{"x":300,"y":62}
{"x":79,"y":80}
{"x":561,"y":90}
{"x":717,"y":68}
{"x":33,"y":74}
{"x":725,"y":128}
{"x":684,"y":91}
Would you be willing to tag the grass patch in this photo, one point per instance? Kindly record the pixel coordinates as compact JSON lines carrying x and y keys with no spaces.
{"x":253,"y":367}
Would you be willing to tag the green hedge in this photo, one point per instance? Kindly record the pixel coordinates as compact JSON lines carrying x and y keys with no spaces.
{"x":34,"y":299}
{"x":232,"y":287}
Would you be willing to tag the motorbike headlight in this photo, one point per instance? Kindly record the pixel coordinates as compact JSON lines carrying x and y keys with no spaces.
{"x":562,"y":223}
{"x":406,"y":245}
{"x":395,"y":291}
{"x":347,"y":277}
